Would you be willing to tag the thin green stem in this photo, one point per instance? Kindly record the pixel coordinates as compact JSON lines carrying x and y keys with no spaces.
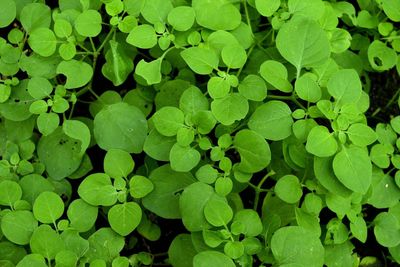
{"x":110,"y":33}
{"x":259,"y":190}
{"x":246,"y":11}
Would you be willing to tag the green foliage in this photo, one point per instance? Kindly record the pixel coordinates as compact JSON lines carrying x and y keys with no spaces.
{"x":259,"y":126}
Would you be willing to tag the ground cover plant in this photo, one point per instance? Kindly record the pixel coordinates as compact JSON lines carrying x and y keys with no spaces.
{"x":199,"y":133}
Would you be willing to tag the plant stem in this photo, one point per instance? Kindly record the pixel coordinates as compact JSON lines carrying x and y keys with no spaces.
{"x":259,"y":190}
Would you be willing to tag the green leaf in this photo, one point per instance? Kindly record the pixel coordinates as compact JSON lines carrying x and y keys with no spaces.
{"x":124,"y":218}
{"x":361,"y":134}
{"x":96,"y":189}
{"x":218,"y":212}
{"x":272,"y":120}
{"x":22,"y":220}
{"x":118,"y":64}
{"x":34,"y":16}
{"x":276,"y":74}
{"x":181,"y":251}
{"x":43,"y":41}
{"x":307,"y":88}
{"x":104,"y":244}
{"x":208,"y":14}
{"x":67,"y":51}
{"x":254,"y":151}
{"x":291,"y":245}
{"x":288,"y":189}
{"x":10,"y":192}
{"x":164,"y":200}
{"x":32,"y":185}
{"x":200,"y":60}
{"x":59,"y":153}
{"x":120,"y":126}
{"x":253,"y":88}
{"x":158,"y":146}
{"x":387,"y":229}
{"x":46,"y":241}
{"x":39,"y":87}
{"x":380,"y":56}
{"x":391,"y":9}
{"x":183,"y":159}
{"x":234,"y":56}
{"x":303,"y":43}
{"x":193,"y":100}
{"x":79,"y":131}
{"x":47,"y":123}
{"x":118,"y":163}
{"x":48,"y":207}
{"x":353,"y":168}
{"x":62,"y":28}
{"x":312,"y":9}
{"x":359,"y":229}
{"x":78,"y":73}
{"x":66,"y":258}
{"x":218,"y":87}
{"x":8,"y":12}
{"x":143,"y":36}
{"x":81,"y":215}
{"x":227,"y":110}
{"x":181,"y":18}
{"x":32,"y":260}
{"x":88,"y":23}
{"x":252,"y":225}
{"x":212,"y":258}
{"x":345,"y":86}
{"x":267,"y":7}
{"x":192,"y":203}
{"x":156,"y":11}
{"x":5,"y":93}
{"x":321,"y":143}
{"x":168,"y":120}
{"x":140,"y":186}
{"x":149,"y":71}
{"x":234,"y":249}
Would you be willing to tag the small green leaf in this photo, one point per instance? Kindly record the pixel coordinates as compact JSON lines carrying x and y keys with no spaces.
{"x":8,"y":12}
{"x":168,"y":120}
{"x":227,"y":110}
{"x":48,"y":207}
{"x":391,"y":9}
{"x":200,"y":60}
{"x":307,"y":88}
{"x":218,"y":87}
{"x":124,"y":218}
{"x":288,"y":189}
{"x":181,"y":18}
{"x":361,"y":134}
{"x":380,"y":56}
{"x":78,"y":73}
{"x":120,"y":126}
{"x":267,"y":7}
{"x":47,"y":122}
{"x":193,"y":100}
{"x":387,"y":229}
{"x":118,"y":163}
{"x":253,"y":88}
{"x":96,"y":189}
{"x":291,"y":246}
{"x":143,"y":36}
{"x":149,"y":71}
{"x":140,"y":186}
{"x":22,"y":220}
{"x":321,"y":143}
{"x":88,"y":23}
{"x":81,"y":215}
{"x":34,"y":16}
{"x":118,"y":64}
{"x":183,"y":159}
{"x":353,"y":168}
{"x":39,"y":87}
{"x":46,"y":241}
{"x":273,"y":120}
{"x":43,"y":41}
{"x":10,"y":192}
{"x":254,"y":151}
{"x":251,"y":221}
{"x":276,"y":74}
{"x":234,"y":56}
{"x":345,"y":86}
{"x":62,"y":28}
{"x":303,"y":43}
